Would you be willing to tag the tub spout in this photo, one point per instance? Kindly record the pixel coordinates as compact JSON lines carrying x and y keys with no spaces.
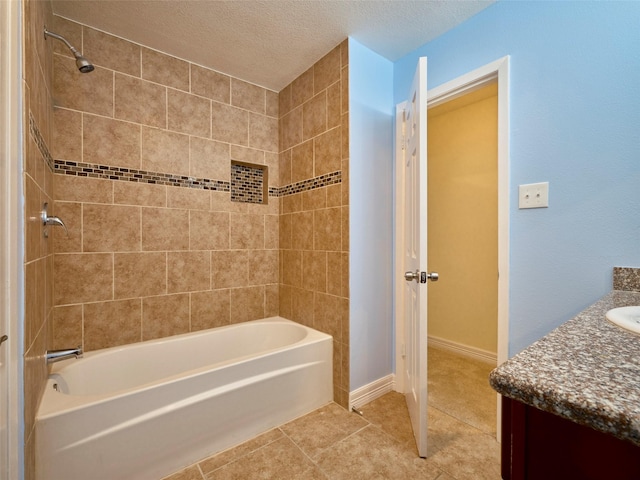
{"x":58,"y":355}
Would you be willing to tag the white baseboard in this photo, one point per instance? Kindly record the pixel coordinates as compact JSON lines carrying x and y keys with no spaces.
{"x":464,"y":350}
{"x":371,"y":391}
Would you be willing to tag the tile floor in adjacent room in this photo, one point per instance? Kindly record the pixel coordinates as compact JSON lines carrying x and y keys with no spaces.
{"x":332,"y":443}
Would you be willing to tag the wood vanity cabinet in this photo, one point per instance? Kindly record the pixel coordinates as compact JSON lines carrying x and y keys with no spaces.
{"x":537,"y":445}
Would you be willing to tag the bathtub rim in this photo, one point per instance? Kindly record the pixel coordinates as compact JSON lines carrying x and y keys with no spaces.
{"x":53,"y":402}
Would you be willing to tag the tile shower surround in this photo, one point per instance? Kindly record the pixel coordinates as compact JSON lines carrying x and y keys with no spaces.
{"x":142,"y":149}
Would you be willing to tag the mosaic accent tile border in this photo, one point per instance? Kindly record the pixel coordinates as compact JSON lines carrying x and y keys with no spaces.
{"x":247,"y":183}
{"x":80,"y":169}
{"x":42,"y":145}
{"x":626,"y":278}
{"x":312,"y":183}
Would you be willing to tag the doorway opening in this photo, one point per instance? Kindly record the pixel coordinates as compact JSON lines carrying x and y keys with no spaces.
{"x":497,"y":74}
{"x":462,"y":174}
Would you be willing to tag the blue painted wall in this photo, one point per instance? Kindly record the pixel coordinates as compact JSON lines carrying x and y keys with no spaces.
{"x":575,"y":122}
{"x":371,"y":113}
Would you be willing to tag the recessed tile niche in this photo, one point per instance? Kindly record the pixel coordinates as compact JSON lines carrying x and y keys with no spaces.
{"x":249,"y":183}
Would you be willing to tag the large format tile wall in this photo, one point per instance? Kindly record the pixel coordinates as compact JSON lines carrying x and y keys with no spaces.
{"x":38,"y":189}
{"x":143,"y":148}
{"x":314,"y":212}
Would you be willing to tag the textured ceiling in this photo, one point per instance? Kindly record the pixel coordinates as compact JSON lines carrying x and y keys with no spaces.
{"x":270,"y":42}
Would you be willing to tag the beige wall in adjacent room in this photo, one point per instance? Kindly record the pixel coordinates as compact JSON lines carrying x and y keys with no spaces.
{"x":463,"y":219}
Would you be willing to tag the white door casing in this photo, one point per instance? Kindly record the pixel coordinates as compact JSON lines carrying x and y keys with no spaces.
{"x":414,"y":161}
{"x":11,"y":238}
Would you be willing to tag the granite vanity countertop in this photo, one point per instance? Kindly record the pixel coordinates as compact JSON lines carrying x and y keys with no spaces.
{"x":587,"y":370}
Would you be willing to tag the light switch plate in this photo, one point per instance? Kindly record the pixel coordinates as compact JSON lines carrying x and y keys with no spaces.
{"x":533,"y":195}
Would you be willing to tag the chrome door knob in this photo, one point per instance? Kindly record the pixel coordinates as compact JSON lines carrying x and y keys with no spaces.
{"x":409,"y":276}
{"x":433,"y":276}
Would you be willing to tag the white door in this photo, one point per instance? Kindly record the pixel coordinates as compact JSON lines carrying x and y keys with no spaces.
{"x":415,"y":255}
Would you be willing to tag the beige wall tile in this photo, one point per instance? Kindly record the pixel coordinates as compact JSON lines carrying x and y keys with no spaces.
{"x":314,"y":271}
{"x":110,"y":142}
{"x":165,"y":316}
{"x":285,"y":296}
{"x":108,"y":324}
{"x":140,"y":101}
{"x":247,"y":304}
{"x":285,"y":231}
{"x":292,"y":267}
{"x":221,"y":202}
{"x":229,"y":124}
{"x":91,"y":93}
{"x":327,"y":152}
{"x":302,"y":88}
{"x":326,"y":223}
{"x":263,"y":267}
{"x":210,"y":84}
{"x":164,"y":151}
{"x":271,"y":303}
{"x":327,"y":315}
{"x":271,"y":159}
{"x":302,"y":233}
{"x":71,"y":215}
{"x":188,"y":113}
{"x":285,"y":168}
{"x":314,"y":116}
{"x":314,"y":199}
{"x":292,"y":203}
{"x":291,"y":129}
{"x":249,"y":155}
{"x":209,"y":159}
{"x":194,"y":198}
{"x":208,"y":230}
{"x":345,"y":276}
{"x":188,"y":271}
{"x":143,"y":194}
{"x":210,"y":309}
{"x":344,"y":85}
{"x":229,"y":268}
{"x":285,"y":100}
{"x":248,"y":96}
{"x":165,"y":69}
{"x":345,"y":229}
{"x":246,"y":231}
{"x":139,"y":274}
{"x":302,"y":162}
{"x":83,"y":189}
{"x":33,"y":223}
{"x":111,"y":52}
{"x":72,"y":31}
{"x":334,"y":105}
{"x":67,"y":135}
{"x":165,"y":229}
{"x":110,"y":228}
{"x":334,"y":195}
{"x":271,"y":231}
{"x":33,"y":307}
{"x":71,"y":272}
{"x":67,"y":327}
{"x":263,"y":132}
{"x":344,"y":52}
{"x":327,"y":70}
{"x":334,"y":273}
{"x":302,"y":306}
{"x":272,"y":105}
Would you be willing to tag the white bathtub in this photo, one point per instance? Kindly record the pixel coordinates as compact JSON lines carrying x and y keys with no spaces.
{"x":146,"y":410}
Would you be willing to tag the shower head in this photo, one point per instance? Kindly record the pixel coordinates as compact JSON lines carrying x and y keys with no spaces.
{"x":84,"y":65}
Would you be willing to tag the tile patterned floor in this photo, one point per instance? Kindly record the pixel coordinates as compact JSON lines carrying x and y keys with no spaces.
{"x":333,"y":444}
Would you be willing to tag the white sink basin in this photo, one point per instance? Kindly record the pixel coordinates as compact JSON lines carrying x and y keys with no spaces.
{"x":625,"y":317}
